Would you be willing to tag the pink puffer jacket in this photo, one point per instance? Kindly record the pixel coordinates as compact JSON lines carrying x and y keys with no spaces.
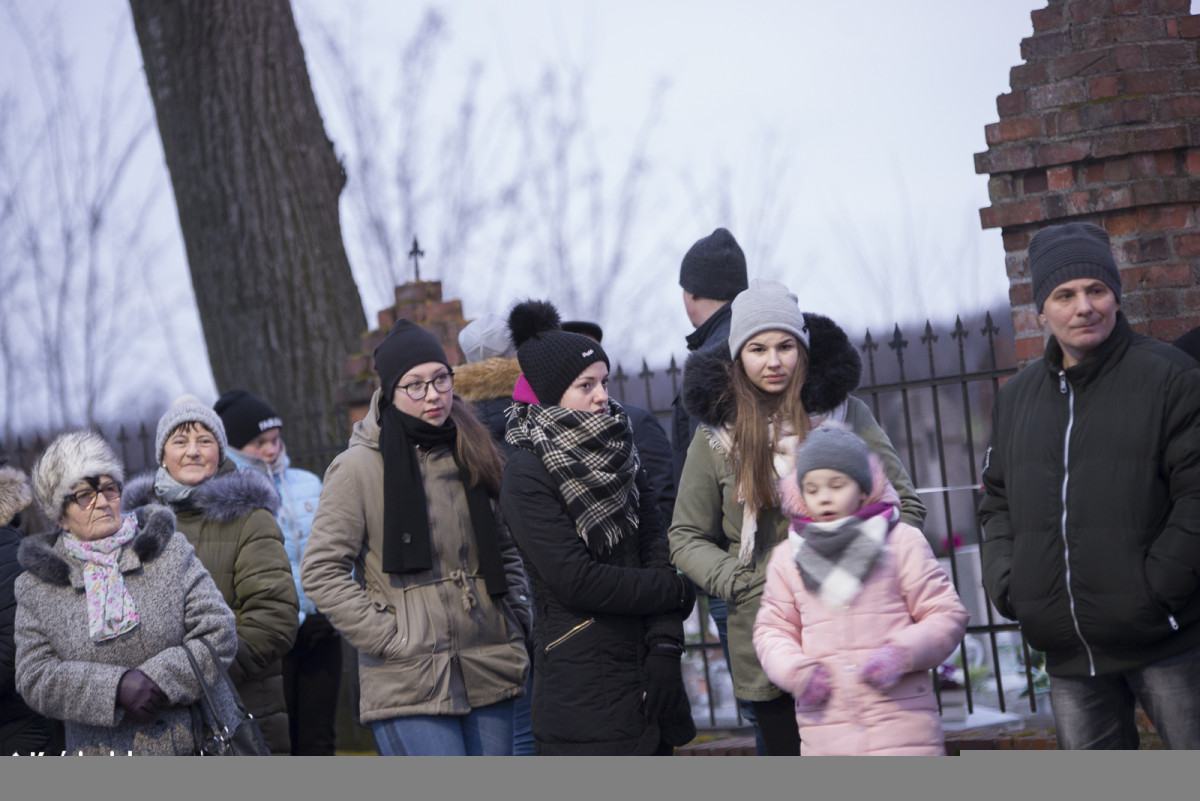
{"x":907,"y":601}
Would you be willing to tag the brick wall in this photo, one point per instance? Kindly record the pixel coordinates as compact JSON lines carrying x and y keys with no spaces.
{"x":418,"y":301}
{"x":1103,"y":125}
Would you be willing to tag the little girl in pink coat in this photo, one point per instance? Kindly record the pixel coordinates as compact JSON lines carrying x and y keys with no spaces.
{"x":856,"y":610}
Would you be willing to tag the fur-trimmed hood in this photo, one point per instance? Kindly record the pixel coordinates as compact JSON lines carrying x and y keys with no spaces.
{"x":486,"y":379}
{"x":37,"y":553}
{"x":15,"y":494}
{"x":227,"y":496}
{"x":834,"y":370}
{"x":882,"y":491}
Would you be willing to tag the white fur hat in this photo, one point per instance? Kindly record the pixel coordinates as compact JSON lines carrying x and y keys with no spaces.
{"x":15,"y":493}
{"x":486,"y":337}
{"x":71,"y":456}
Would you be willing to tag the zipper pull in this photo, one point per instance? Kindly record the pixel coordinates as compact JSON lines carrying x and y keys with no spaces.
{"x":1062,"y":381}
{"x":1173,"y":622}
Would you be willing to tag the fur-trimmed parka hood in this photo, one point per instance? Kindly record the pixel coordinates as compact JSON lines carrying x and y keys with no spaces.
{"x":486,"y":379}
{"x":227,"y":496}
{"x":15,"y":494}
{"x":37,"y":554}
{"x":834,"y":370}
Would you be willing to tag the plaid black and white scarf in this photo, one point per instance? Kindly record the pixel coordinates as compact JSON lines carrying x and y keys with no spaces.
{"x":592,"y":460}
{"x":835,"y":558}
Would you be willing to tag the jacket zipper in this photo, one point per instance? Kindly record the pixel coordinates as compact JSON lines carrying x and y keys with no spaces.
{"x":1065,"y":389}
{"x":570,"y":633}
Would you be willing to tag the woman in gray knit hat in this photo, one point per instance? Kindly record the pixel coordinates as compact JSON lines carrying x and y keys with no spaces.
{"x":106,"y":607}
{"x":790,"y":371}
{"x":228,"y":515}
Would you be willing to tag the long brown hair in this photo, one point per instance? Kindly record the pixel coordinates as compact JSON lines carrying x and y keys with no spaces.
{"x":475,"y":448}
{"x":752,"y":454}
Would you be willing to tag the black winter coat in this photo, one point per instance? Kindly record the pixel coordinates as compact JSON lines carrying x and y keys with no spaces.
{"x":1091,"y":511}
{"x":595,"y":617}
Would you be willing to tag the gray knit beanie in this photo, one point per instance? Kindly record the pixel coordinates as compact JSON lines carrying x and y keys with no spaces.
{"x":714,"y":267}
{"x":70,"y":457}
{"x":189,"y":409}
{"x":765,"y":306}
{"x":485,"y":337}
{"x":1062,"y":253}
{"x":833,"y":447}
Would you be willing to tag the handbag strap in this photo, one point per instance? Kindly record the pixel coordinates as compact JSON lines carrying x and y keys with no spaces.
{"x":224,"y":674}
{"x":213,"y":712}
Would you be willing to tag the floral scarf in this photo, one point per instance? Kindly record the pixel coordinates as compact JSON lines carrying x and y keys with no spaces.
{"x":110,"y":607}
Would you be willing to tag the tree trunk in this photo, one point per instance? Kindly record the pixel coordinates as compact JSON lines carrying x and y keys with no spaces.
{"x":256,"y":184}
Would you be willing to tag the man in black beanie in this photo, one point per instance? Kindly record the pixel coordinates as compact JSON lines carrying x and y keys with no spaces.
{"x":1091,"y":508}
{"x":712,"y":273}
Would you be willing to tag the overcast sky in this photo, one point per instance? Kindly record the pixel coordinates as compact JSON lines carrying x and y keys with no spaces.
{"x":864,"y":118}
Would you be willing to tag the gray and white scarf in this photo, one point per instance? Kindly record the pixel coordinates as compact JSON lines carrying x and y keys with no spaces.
{"x":835,"y":558}
{"x":592,"y":460}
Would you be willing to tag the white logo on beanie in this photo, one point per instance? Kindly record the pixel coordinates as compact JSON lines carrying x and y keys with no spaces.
{"x":269,"y":423}
{"x":587,"y":353}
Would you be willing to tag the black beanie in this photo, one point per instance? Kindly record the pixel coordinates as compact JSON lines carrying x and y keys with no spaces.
{"x":584,"y":327}
{"x":245,"y":417}
{"x":714,"y":267}
{"x":550,"y":358}
{"x":1063,"y":253}
{"x":405,"y":346}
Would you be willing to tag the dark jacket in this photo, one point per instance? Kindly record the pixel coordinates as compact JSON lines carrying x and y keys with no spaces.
{"x":712,"y":337}
{"x":654,"y":450}
{"x":230,"y":521}
{"x":1091,"y":509}
{"x":595,"y":617}
{"x":488,"y":385}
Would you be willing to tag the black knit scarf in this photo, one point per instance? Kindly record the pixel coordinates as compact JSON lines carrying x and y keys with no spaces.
{"x":406,"y":541}
{"x":592,"y":459}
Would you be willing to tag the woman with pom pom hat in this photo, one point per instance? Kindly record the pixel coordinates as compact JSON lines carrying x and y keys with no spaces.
{"x":610,"y":608}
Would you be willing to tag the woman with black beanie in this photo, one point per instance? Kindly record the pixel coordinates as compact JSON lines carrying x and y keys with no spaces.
{"x":609,"y":606}
{"x":410,"y":561}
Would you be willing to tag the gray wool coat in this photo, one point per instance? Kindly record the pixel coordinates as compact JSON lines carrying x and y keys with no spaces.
{"x":63,"y":674}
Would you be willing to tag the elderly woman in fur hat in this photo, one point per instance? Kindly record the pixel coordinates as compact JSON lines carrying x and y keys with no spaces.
{"x":105,"y":608}
{"x":228,"y":515}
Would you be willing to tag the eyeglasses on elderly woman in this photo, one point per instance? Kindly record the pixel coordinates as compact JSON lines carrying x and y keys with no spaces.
{"x":84,"y":498}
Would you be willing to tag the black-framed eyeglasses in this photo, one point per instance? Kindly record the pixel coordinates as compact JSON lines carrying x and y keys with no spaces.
{"x":86,"y":497}
{"x":442,"y":382}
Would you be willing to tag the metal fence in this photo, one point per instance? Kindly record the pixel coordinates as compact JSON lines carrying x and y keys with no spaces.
{"x":933,"y":396}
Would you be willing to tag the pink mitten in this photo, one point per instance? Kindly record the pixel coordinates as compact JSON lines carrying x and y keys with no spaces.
{"x":818,"y":689}
{"x":884,"y":668}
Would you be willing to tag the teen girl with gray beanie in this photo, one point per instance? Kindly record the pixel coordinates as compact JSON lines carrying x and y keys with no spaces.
{"x":785,"y":373}
{"x":610,"y":608}
{"x":410,"y":561}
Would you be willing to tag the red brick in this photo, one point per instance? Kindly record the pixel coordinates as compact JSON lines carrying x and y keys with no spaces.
{"x":989,"y":217}
{"x":1140,"y":28}
{"x":1170,"y":54}
{"x":1085,"y":10}
{"x":1161,"y":303}
{"x":1034,"y":182}
{"x":1011,"y":104}
{"x":1148,"y":193}
{"x":1023,"y":76}
{"x":1165,"y":164}
{"x":1117,"y":170}
{"x":1046,"y":19}
{"x":1012,"y":130}
{"x":1060,"y":177}
{"x":1164,"y":218}
{"x":1138,"y":109}
{"x":1169,"y":275}
{"x":1016,"y":265}
{"x":1093,"y":173}
{"x":1081,"y":65}
{"x":1189,"y":27}
{"x":1055,"y":153}
{"x":386,"y":318}
{"x":1114,"y":198}
{"x":1005,"y":159}
{"x":1054,"y":207}
{"x":1104,"y":86}
{"x":1000,"y":187}
{"x":1100,"y":115}
{"x":1143,"y":165}
{"x":418,"y":292}
{"x":1046,"y":45}
{"x":1020,"y":294}
{"x":1064,"y":122}
{"x":1096,"y":35}
{"x":1129,"y":57}
{"x":1078,"y":203}
{"x":1193,"y":161}
{"x":1178,"y":108}
{"x":1146,"y":82}
{"x":1171,"y":329}
{"x":1055,"y":95}
{"x":1187,"y":246}
{"x":1172,"y":24}
{"x":1126,"y":6}
{"x":446,"y":311}
{"x":1026,"y":321}
{"x":1145,"y":248}
{"x":1028,"y":211}
{"x":1189,"y":80}
{"x":1120,"y":224}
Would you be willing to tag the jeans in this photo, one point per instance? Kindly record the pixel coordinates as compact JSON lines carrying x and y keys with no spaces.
{"x":717,"y":611}
{"x":1097,"y":712}
{"x":523,"y":743}
{"x":485,"y":730}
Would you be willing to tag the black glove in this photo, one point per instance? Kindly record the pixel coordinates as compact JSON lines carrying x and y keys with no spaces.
{"x":140,"y":696}
{"x":687,"y":595}
{"x":665,"y":679}
{"x":317,"y":627}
